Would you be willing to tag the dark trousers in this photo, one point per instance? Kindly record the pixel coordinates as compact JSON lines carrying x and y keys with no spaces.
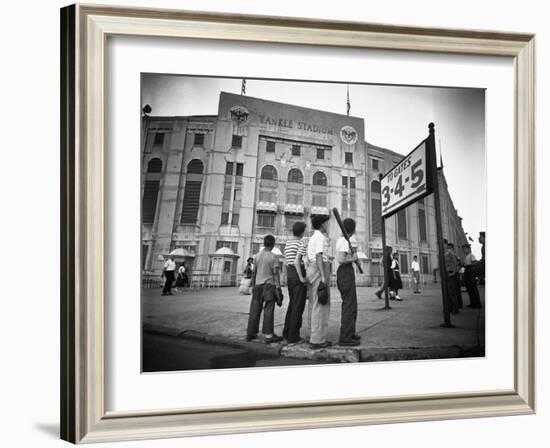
{"x":263,"y":298}
{"x":458,"y":287}
{"x":297,"y":292}
{"x":471,"y":287}
{"x":451,"y":293}
{"x":345,"y":280}
{"x":169,"y":276}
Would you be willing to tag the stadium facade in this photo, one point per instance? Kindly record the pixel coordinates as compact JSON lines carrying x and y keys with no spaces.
{"x":214,"y":186}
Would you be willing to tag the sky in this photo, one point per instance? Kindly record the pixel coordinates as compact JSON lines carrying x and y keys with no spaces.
{"x":396,"y":117}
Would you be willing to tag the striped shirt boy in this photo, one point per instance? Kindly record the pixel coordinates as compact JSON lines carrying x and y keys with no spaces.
{"x":292,"y":248}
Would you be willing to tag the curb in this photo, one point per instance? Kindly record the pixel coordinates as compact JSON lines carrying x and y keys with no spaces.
{"x":334,"y":354}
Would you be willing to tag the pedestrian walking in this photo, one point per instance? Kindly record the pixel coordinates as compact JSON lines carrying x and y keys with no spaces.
{"x":415,"y":268}
{"x":266,"y":291}
{"x":469,"y":277}
{"x":182,"y":280}
{"x":246,"y":281}
{"x":395,"y":278}
{"x":318,"y":276}
{"x":451,"y":266}
{"x":168,"y":274}
{"x":295,"y":252}
{"x":345,"y":280}
{"x":386,"y":266}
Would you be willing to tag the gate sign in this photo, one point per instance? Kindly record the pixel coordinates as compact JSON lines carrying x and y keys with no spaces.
{"x":406,"y":182}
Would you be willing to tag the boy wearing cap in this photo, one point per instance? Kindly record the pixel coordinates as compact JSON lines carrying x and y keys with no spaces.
{"x":318,"y":274}
{"x":266,"y":291}
{"x":345,"y":280}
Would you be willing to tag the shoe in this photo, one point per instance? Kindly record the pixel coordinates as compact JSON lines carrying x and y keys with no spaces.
{"x":296,"y":341}
{"x":273,"y":339}
{"x":351,"y":343}
{"x":250,"y":337}
{"x":379,"y":295}
{"x":399,"y":299}
{"x":321,"y":345}
{"x":356,"y":337}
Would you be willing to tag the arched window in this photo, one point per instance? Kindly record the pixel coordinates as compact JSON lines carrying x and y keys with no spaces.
{"x":295,"y":176}
{"x":192,"y":192}
{"x":269,"y":173}
{"x":375,"y":209}
{"x":151,"y":190}
{"x":319,"y":190}
{"x":295,"y":187}
{"x":320,"y":179}
{"x":268,"y":184}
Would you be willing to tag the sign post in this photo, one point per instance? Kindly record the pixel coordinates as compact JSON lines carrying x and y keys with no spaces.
{"x":413,"y":178}
{"x":439,"y":228}
{"x":384,"y":258}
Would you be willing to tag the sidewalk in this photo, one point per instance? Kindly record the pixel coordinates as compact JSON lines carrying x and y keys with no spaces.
{"x":410,"y":330}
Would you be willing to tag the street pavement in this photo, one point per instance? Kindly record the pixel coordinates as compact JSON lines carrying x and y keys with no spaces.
{"x":411,"y":329}
{"x":166,"y":353}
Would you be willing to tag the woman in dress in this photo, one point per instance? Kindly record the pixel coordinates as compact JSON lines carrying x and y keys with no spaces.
{"x":395,"y":283}
{"x":183,"y":280}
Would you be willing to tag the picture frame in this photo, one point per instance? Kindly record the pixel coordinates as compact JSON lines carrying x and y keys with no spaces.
{"x":84,"y":417}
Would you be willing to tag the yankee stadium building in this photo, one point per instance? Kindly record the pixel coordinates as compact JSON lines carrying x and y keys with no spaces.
{"x":213,"y":186}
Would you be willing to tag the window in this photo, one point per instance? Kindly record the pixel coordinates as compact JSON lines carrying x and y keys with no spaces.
{"x":319,"y":190}
{"x":159,"y":138}
{"x":424,"y":264}
{"x":270,"y":146}
{"x":320,"y":154}
{"x":320,"y":179}
{"x":199,"y":139}
{"x":229,"y":168}
{"x":236,"y":141}
{"x":295,"y":187}
{"x":404,"y":263}
{"x":268,"y":173}
{"x":352,"y":182}
{"x":376,"y":214}
{"x":349,"y":157}
{"x":192,"y":192}
{"x":375,"y":164}
{"x":422,"y":233}
{"x":227,"y":266}
{"x":345,"y":181}
{"x":265,"y":220}
{"x":295,"y":176}
{"x":151,"y":190}
{"x":402,"y":224}
{"x":233,"y":245}
{"x":296,"y":150}
{"x":240,"y":168}
{"x":231,"y":201}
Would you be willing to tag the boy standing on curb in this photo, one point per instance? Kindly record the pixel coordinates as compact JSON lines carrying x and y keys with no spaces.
{"x":318,"y":276}
{"x":345,"y":280}
{"x":266,"y":291}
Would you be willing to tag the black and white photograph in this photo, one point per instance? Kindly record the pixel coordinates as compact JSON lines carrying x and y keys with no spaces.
{"x":288,"y":223}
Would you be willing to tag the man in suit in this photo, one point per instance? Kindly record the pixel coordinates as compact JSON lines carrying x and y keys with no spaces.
{"x":451,"y":266}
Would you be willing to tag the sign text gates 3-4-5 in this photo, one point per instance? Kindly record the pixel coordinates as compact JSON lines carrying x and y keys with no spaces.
{"x":407,"y":182}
